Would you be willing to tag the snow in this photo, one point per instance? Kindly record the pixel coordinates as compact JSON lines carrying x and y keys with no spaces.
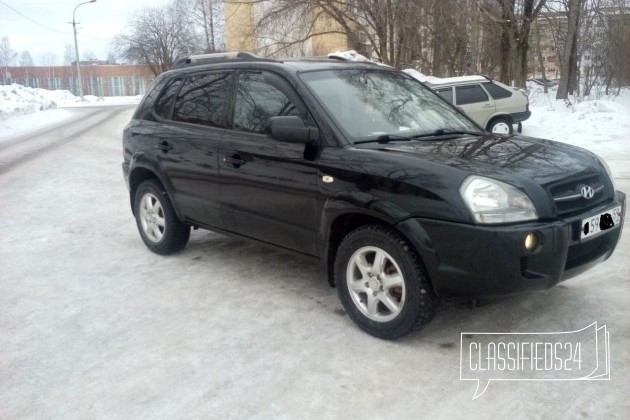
{"x":93,"y":325}
{"x":19,"y":100}
{"x":350,"y":55}
{"x":24,"y":108}
{"x":441,"y":80}
{"x":601,"y":126}
{"x":19,"y":123}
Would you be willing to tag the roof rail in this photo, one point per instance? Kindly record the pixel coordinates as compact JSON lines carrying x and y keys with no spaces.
{"x":196,"y":60}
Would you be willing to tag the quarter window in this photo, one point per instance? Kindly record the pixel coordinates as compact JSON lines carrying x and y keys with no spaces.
{"x":257,"y":100}
{"x":164,"y":104}
{"x":470,"y":94}
{"x":203,"y":100}
{"x":496,"y":91}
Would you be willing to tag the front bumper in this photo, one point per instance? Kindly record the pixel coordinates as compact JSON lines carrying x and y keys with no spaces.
{"x":125,"y":168}
{"x":472,"y":261}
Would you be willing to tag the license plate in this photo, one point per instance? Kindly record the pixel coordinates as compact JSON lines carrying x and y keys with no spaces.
{"x":599,"y":223}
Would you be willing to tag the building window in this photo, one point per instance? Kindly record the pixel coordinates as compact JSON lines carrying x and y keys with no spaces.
{"x":116,"y":86}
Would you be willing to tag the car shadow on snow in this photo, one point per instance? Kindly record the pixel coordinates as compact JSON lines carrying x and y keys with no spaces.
{"x":247,"y":262}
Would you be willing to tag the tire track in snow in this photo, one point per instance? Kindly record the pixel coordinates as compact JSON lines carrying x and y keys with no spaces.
{"x":26,"y":147}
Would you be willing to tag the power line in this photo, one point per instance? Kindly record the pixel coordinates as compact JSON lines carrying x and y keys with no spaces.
{"x":32,"y":20}
{"x":47,"y":27}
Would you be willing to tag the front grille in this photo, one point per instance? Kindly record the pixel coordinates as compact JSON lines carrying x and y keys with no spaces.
{"x":568,"y":199}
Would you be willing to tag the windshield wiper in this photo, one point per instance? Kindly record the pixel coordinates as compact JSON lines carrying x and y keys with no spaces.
{"x":446,"y":131}
{"x":386,"y":138}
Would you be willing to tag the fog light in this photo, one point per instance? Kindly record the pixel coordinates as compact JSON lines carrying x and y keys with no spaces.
{"x":531,"y":242}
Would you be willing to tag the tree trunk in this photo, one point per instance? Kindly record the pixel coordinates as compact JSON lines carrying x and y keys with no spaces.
{"x":506,"y":42}
{"x":568,"y":66}
{"x":541,"y":61}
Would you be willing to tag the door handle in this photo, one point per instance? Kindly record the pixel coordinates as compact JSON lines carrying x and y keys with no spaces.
{"x":164,"y":146}
{"x":488,"y":106}
{"x":234,"y":160}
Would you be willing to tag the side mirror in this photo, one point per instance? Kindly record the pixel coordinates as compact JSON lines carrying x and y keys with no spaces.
{"x":291,"y":129}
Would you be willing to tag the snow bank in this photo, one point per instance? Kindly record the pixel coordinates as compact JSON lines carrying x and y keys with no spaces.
{"x":596,"y":125}
{"x":601,"y":126}
{"x":19,"y":100}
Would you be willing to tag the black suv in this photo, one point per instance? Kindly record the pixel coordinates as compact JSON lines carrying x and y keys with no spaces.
{"x":402,"y":197}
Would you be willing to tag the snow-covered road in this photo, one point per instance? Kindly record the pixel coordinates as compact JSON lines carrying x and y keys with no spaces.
{"x":17,"y":149}
{"x":93,"y":325}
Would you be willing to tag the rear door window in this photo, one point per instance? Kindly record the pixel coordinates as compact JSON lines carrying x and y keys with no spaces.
{"x":204,"y":100}
{"x":470,"y":94}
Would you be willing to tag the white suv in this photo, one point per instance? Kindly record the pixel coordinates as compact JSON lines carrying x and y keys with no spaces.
{"x":493,"y":105}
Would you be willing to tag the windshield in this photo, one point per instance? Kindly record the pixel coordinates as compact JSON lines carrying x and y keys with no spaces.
{"x":368,"y":104}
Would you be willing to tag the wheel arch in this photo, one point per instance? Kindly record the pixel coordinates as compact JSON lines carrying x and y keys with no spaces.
{"x":336,"y":224}
{"x":502,"y":116}
{"x":142,"y":171}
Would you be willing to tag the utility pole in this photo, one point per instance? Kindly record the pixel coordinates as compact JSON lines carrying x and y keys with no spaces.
{"x":76,"y":47}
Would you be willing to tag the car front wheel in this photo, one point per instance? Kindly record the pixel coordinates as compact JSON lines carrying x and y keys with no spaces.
{"x":159,"y":227}
{"x":382,"y":283}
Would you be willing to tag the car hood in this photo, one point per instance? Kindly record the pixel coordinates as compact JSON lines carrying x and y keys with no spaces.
{"x":501,"y":157}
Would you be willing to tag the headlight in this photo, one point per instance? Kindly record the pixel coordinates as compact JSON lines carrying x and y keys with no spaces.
{"x":492,"y":201}
{"x":608,"y":171}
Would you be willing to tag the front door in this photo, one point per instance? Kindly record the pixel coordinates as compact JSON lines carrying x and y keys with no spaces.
{"x":268,"y":188}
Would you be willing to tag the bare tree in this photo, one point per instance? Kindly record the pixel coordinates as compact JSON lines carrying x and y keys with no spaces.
{"x":111,"y":58}
{"x":49,"y":60}
{"x":26,"y":61}
{"x":515,"y":18}
{"x":207,"y":16}
{"x":7,"y":56}
{"x":568,"y":67}
{"x":68,"y":55}
{"x":539,"y":56}
{"x":385,"y":29}
{"x":159,"y":36}
{"x":614,"y":46}
{"x":88,"y":55}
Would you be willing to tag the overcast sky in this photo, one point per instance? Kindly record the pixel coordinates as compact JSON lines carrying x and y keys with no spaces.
{"x":43,"y":25}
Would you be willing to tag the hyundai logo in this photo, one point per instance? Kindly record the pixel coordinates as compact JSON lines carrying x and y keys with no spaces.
{"x":587,"y":192}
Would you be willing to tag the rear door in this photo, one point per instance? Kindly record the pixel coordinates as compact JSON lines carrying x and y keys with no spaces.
{"x":189,"y":144}
{"x":475,"y":102}
{"x":268,"y":188}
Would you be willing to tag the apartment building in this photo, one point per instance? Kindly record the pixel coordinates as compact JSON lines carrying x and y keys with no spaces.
{"x":283,"y":38}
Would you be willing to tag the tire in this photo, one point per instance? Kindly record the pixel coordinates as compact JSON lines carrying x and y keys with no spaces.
{"x":500,"y":125}
{"x":389,"y":301}
{"x":159,"y":227}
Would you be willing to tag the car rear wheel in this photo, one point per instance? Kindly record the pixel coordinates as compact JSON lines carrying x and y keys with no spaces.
{"x":159,"y":227}
{"x":500,"y":125}
{"x":382,"y":283}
